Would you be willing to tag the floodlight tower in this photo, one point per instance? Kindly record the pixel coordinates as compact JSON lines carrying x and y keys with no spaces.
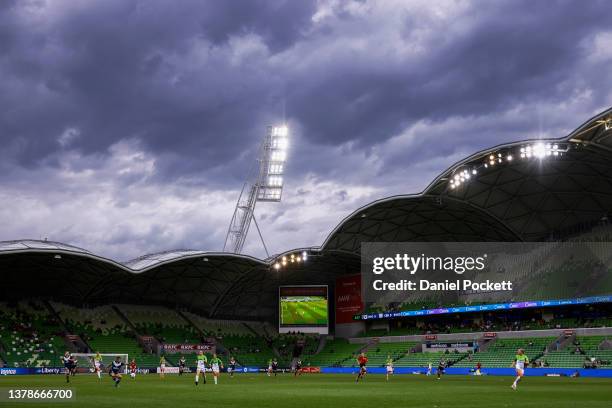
{"x":265,"y":183}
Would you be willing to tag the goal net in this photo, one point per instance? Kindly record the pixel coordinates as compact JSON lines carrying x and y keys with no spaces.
{"x":87,"y":361}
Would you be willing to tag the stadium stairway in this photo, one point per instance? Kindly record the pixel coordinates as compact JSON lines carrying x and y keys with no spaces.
{"x":125,"y":319}
{"x":484,"y":344}
{"x":73,"y":341}
{"x":322,"y":343}
{"x":191,"y":323}
{"x":151,"y":343}
{"x":252,"y":330}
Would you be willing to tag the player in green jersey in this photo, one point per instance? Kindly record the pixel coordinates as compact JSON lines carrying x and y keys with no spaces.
{"x":389,"y":364}
{"x":97,"y":360}
{"x":216,"y":364}
{"x":201,"y":367}
{"x":162,"y":367}
{"x":519,"y":364}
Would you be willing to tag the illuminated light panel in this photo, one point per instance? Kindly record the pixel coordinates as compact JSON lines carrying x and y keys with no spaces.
{"x":539,"y":150}
{"x":291,"y":259}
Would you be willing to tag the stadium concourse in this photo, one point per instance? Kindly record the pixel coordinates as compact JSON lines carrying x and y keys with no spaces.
{"x":56,"y":296}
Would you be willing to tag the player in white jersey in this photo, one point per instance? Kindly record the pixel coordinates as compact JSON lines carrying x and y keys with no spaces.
{"x":429,"y":368}
{"x":519,"y":364}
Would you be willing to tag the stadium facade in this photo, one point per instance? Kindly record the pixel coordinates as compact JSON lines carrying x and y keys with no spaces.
{"x":532,"y":190}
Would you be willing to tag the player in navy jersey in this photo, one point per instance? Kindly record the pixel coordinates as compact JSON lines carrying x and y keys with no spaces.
{"x":441,"y":368}
{"x":275,"y":367}
{"x":298,"y":368}
{"x":69,"y":365}
{"x":182,"y":364}
{"x":115,"y":370}
{"x":231,"y":366}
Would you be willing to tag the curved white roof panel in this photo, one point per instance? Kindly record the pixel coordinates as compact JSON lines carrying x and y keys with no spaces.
{"x":147,"y":261}
{"x":31,"y":244}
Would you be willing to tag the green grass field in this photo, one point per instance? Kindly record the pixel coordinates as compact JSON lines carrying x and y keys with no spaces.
{"x":312,"y":312}
{"x":323,"y":390}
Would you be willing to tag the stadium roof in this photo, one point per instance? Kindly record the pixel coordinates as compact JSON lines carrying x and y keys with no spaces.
{"x":564,"y":184}
{"x":36,"y":245}
{"x":525,"y":198}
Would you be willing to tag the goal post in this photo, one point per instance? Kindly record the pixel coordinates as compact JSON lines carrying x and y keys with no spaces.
{"x":86,"y":360}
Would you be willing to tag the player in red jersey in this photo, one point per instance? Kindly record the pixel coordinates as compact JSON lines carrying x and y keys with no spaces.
{"x":133,"y":369}
{"x":362,"y":360}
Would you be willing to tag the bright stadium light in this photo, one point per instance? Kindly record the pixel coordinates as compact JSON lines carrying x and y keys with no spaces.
{"x":280,"y":131}
{"x":264,"y":184}
{"x":539,"y":150}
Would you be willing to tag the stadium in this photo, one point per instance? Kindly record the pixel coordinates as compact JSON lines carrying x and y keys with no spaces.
{"x":303,"y":308}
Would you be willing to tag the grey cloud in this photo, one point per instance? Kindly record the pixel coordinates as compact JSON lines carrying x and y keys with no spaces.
{"x":380,"y":97}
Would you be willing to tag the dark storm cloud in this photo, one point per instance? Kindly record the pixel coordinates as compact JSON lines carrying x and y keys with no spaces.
{"x":508,"y":53}
{"x":128,"y":126}
{"x":159,"y":72}
{"x":114,"y":70}
{"x":279,"y":23}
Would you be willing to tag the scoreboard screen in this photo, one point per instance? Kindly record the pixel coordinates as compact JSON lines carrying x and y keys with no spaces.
{"x":304,"y":309}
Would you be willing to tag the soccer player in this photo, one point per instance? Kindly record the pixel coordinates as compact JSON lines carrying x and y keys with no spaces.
{"x":269,"y":367}
{"x":478,"y":367}
{"x":201,"y":367}
{"x":133,"y":368}
{"x":274,"y":367}
{"x":429,"y":368}
{"x":231,"y":366}
{"x":389,"y":366}
{"x":298,"y":368}
{"x":68,"y":361}
{"x":362,"y":360}
{"x":215,"y":364}
{"x":162,"y":367}
{"x":441,"y":368}
{"x":520,"y":361}
{"x":73,"y":365}
{"x":181,"y":365}
{"x":115,"y":370}
{"x":97,"y":360}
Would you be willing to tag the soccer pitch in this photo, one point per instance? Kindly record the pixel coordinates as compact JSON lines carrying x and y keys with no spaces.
{"x":304,"y":312}
{"x":322,"y":390}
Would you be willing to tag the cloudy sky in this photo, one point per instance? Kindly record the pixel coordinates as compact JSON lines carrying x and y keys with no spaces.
{"x":128,"y":127}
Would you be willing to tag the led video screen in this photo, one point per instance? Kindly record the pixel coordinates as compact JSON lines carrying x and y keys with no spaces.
{"x":303,"y":308}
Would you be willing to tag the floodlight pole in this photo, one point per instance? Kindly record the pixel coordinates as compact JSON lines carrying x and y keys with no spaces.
{"x":261,"y":236}
{"x":264,"y":184}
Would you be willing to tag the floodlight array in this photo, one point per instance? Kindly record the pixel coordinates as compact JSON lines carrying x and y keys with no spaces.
{"x":538,"y":150}
{"x":291,"y":259}
{"x":270,"y":184}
